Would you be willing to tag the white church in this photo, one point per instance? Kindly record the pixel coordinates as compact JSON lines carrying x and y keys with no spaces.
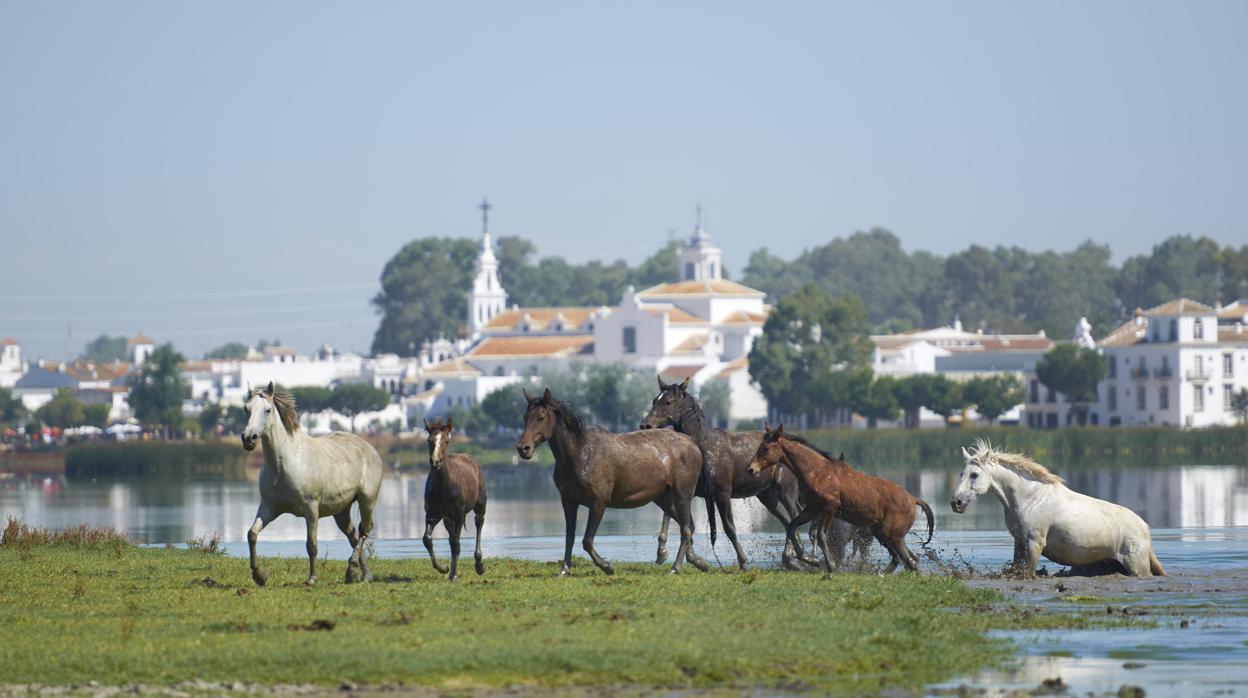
{"x":700,"y":326}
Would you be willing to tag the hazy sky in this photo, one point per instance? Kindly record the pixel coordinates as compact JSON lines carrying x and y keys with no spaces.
{"x":166,"y":167}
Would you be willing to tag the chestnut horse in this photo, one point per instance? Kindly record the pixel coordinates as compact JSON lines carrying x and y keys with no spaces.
{"x":454,"y":488}
{"x":597,"y":469}
{"x":725,"y":465}
{"x":838,"y":490}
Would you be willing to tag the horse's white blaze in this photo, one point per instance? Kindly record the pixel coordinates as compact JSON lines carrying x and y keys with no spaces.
{"x":1047,"y":518}
{"x":440,"y":439}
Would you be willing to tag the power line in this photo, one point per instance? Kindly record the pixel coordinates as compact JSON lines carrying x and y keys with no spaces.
{"x":248,"y":293}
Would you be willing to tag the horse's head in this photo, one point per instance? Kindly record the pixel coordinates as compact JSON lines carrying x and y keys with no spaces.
{"x":261,"y":415}
{"x":539,"y":423}
{"x":769,"y":452}
{"x":975,"y":480}
{"x":439,"y":440}
{"x":666,"y":408}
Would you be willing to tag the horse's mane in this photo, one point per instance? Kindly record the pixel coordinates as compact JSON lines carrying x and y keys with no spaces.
{"x":568,"y":415}
{"x":690,"y":408}
{"x":435,"y":424}
{"x":801,"y":440}
{"x":285,"y":404}
{"x":983,"y":451}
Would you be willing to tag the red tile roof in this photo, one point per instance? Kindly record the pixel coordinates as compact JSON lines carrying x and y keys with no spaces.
{"x":549,"y":346}
{"x":539,"y":318}
{"x":702,"y":287}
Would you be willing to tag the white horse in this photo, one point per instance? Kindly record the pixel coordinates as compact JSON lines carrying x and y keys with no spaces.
{"x":310,"y":478}
{"x":1046,"y":518}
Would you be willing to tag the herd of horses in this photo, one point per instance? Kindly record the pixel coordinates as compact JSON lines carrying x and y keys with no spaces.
{"x":314,"y":477}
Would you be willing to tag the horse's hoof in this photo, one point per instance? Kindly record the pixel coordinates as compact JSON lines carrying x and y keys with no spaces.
{"x":661,"y":557}
{"x":607,"y":568}
{"x":699,"y":563}
{"x":260,"y":577}
{"x":311,"y":582}
{"x":564,"y":571}
{"x":674,"y":570}
{"x":480,"y":566}
{"x":452,"y":577}
{"x":442,"y":569}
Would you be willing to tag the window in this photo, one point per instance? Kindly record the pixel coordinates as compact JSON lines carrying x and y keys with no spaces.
{"x":1111,"y":396}
{"x":1113,"y":367}
{"x":1228,"y":391}
{"x":1049,"y":395}
{"x":688,"y":270}
{"x":1198,"y":329}
{"x":711,"y":271}
{"x":1163,"y":397}
{"x":1141,"y":399}
{"x":1198,"y":398}
{"x":1035,"y":391}
{"x":1228,"y":366}
{"x":630,"y":340}
{"x":1174,"y":330}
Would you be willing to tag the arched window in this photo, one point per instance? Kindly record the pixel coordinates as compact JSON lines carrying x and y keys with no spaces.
{"x":630,"y":340}
{"x":688,"y":270}
{"x":1174,"y":330}
{"x":711,"y":270}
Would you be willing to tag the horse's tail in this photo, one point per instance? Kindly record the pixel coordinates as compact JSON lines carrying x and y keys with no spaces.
{"x":931,"y":519}
{"x":1154,"y":565}
{"x":710,"y":515}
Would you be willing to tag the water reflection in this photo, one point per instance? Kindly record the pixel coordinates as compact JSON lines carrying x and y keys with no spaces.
{"x":524,"y":503}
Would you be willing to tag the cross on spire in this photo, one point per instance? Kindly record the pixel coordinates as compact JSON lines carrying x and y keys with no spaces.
{"x":485,"y":214}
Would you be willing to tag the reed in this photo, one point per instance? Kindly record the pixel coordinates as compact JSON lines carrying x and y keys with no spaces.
{"x":1072,"y":448}
{"x":190,"y":459}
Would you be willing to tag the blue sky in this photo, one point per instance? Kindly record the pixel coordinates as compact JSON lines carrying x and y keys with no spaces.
{"x":165,"y":166}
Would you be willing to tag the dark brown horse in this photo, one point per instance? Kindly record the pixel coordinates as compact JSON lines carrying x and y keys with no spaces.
{"x":597,"y":469}
{"x":836,"y":489}
{"x":454,"y":488}
{"x":725,"y":469}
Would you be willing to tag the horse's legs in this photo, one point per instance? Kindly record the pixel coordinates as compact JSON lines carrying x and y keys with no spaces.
{"x":791,"y":531}
{"x":430,"y":522}
{"x":776,"y":501}
{"x":313,"y":521}
{"x":569,"y":521}
{"x":1034,"y":549}
{"x":263,"y":518}
{"x":454,"y":527}
{"x":366,"y":531}
{"x":591,"y":527}
{"x":724,"y":502}
{"x":828,"y":564}
{"x":343,"y":519}
{"x":684,"y":518}
{"x":661,"y":556}
{"x":479,"y":517}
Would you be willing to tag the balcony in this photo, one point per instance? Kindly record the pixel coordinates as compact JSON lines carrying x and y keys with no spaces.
{"x":1163,"y":372}
{"x":1197,"y":375}
{"x":1139,"y":372}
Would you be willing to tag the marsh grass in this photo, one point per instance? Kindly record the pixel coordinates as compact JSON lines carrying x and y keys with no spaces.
{"x":159,"y":616}
{"x":24,"y":537}
{"x":208,"y":544}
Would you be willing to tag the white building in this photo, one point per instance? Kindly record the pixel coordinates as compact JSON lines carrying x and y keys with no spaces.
{"x":1177,"y":364}
{"x":11,"y":365}
{"x":701,"y":326}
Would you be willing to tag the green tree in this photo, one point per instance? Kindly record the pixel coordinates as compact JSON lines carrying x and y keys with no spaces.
{"x":471,"y":421}
{"x":873,"y":397}
{"x":422,"y":293}
{"x":617,"y":396}
{"x":505,"y":406}
{"x":993,"y":395}
{"x":931,"y":390}
{"x":1074,"y":372}
{"x":235,"y":419}
{"x":355,"y":398}
{"x":11,"y":408}
{"x":95,"y":414}
{"x":1239,"y":404}
{"x":715,"y":398}
{"x":34,"y":429}
{"x":157,"y":389}
{"x":64,"y":411}
{"x":210,"y":418}
{"x":807,"y":339}
{"x":227,"y":351}
{"x":1179,"y":267}
{"x":105,"y":349}
{"x":945,"y":398}
{"x":312,"y":398}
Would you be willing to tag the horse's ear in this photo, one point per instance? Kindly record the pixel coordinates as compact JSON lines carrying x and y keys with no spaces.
{"x":427,"y":424}
{"x":546,"y":397}
{"x":766,"y":427}
{"x":780,"y":428}
{"x":662,"y":385}
{"x":966,"y":455}
{"x":684,"y":386}
{"x":841,"y":457}
{"x":527,"y":398}
{"x":270,"y":389}
{"x":450,"y":424}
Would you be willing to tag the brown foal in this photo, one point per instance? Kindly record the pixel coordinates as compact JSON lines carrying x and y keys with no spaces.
{"x":454,"y":488}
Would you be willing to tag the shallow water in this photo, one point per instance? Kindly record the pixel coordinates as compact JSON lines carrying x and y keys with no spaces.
{"x":1199,"y":516}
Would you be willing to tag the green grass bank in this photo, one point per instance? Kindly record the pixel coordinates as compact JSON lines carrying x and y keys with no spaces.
{"x":77,"y":608}
{"x":214,"y":459}
{"x":1065,"y":449}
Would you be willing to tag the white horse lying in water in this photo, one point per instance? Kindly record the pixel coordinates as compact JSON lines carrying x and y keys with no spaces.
{"x":1046,"y":518}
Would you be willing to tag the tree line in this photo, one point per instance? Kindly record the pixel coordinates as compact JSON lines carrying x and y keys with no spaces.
{"x":1002,"y":289}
